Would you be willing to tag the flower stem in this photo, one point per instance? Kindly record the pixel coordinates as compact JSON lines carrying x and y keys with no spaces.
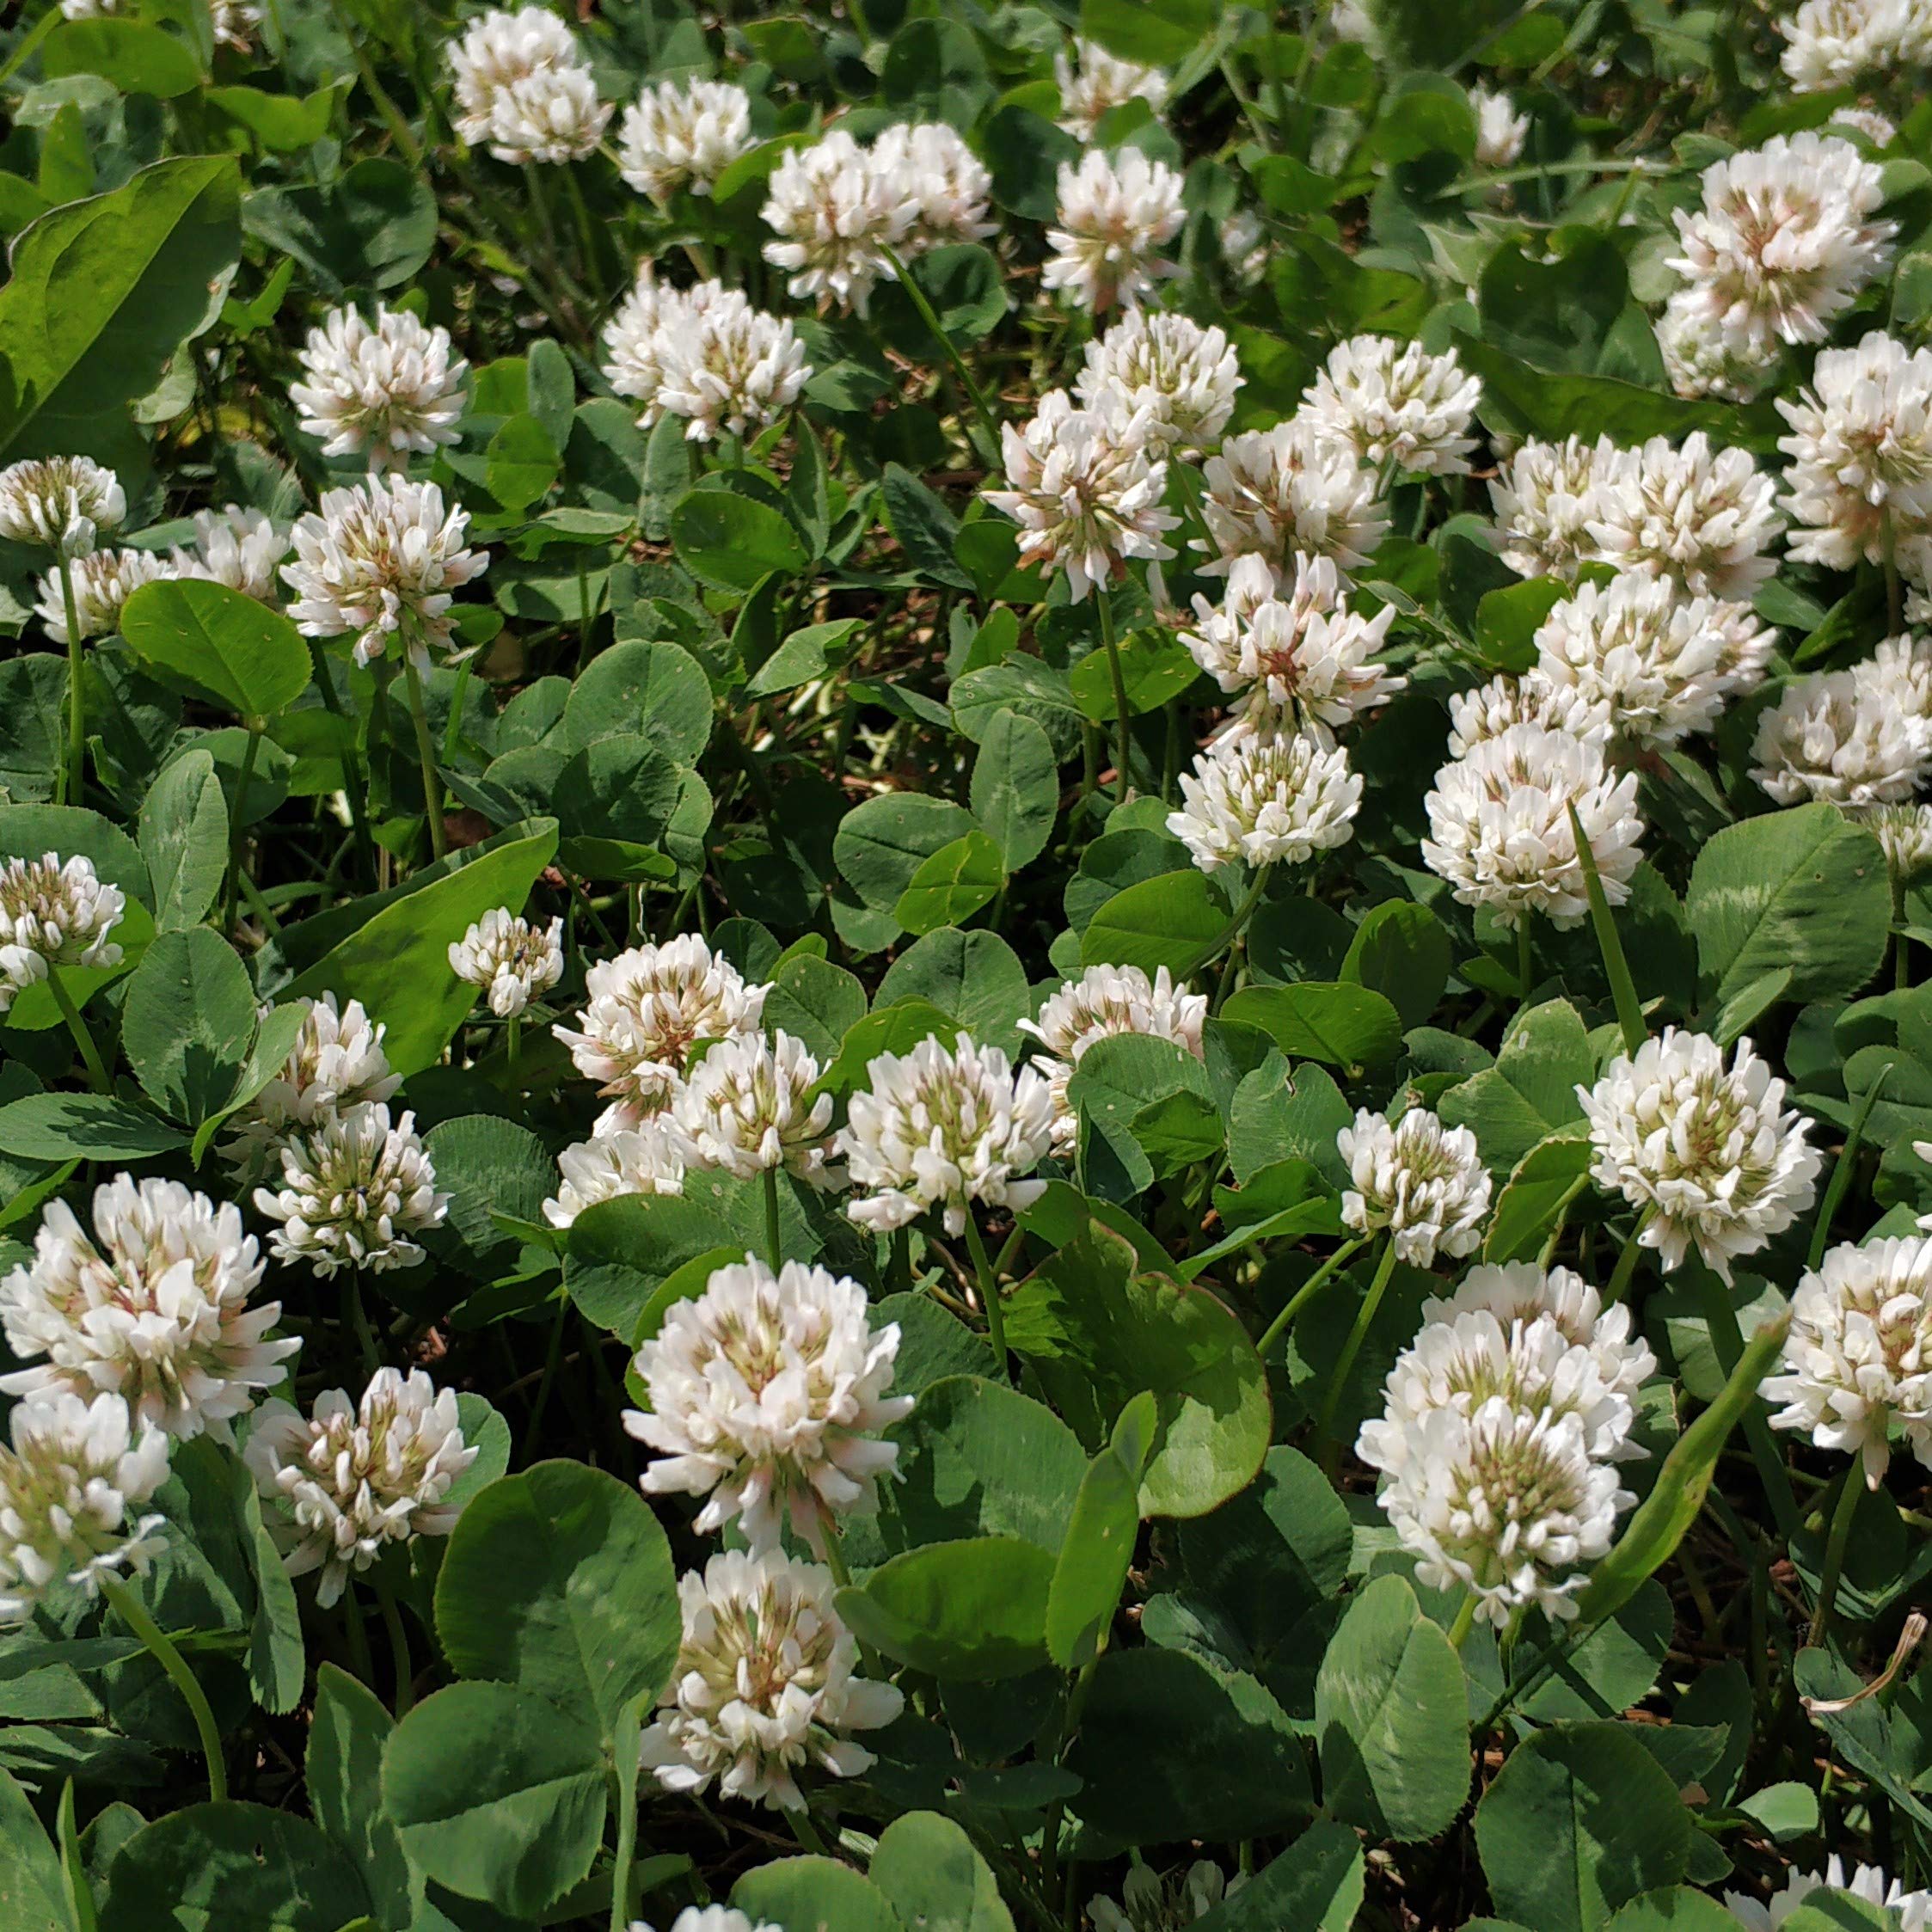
{"x":1465,"y":1621}
{"x":351,"y":765}
{"x":1124,"y":747}
{"x":128,"y":1607}
{"x":1234,"y":928}
{"x":96,"y":1069}
{"x":1338,"y":1376}
{"x":1525,"y":960}
{"x":1842,"y":1511}
{"x":355,"y":1318}
{"x":989,"y":1294}
{"x":237,"y":831}
{"x":426,"y":752}
{"x":1342,"y":1255}
{"x":1617,"y":968}
{"x":513,"y":1037}
{"x":773,"y":1242}
{"x":799,"y":1819}
{"x":1841,"y":1170}
{"x":76,"y":702}
{"x":917,"y":296}
{"x":399,"y":1648}
{"x":1627,"y":1260}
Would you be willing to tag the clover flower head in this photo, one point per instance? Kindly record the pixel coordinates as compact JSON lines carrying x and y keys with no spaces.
{"x":1092,"y":83}
{"x":238,"y":547}
{"x":509,"y":958}
{"x":54,"y":912}
{"x":356,"y":1188}
{"x":1703,"y":519}
{"x":1276,"y":491}
{"x":748,"y":1106}
{"x":836,"y":217}
{"x":1503,"y":702}
{"x":1545,"y":499}
{"x":949,"y":184}
{"x":103,"y":581}
{"x":1115,"y":214}
{"x":682,"y":134}
{"x":59,"y":503}
{"x":1829,"y":737}
{"x":337,"y":1062}
{"x":1699,"y":362}
{"x":1179,"y":379}
{"x":524,"y":89}
{"x":1500,"y":130}
{"x":392,"y":387}
{"x":1391,"y":402}
{"x":641,"y":1159}
{"x":1262,"y":796}
{"x":725,"y":366}
{"x":1424,"y":1183}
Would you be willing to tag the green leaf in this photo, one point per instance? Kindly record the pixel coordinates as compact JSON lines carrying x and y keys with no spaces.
{"x":930,"y":1872}
{"x":1316,"y":1885}
{"x":187,"y":1024}
{"x":226,"y":646}
{"x":521,"y":464}
{"x":278,"y":1661}
{"x":1016,"y":787}
{"x":85,"y":1126}
{"x":813,"y":1895}
{"x":33,"y":724}
{"x":183,"y":831}
{"x":1392,"y":1714}
{"x":926,"y":528}
{"x":1100,"y":1543}
{"x":283,"y":123}
{"x":489,"y":1166}
{"x":560,"y":1581}
{"x":730,"y":541}
{"x":1539,"y":1186}
{"x":1675,"y":1908}
{"x":973,"y":1610}
{"x":32,"y":1892}
{"x":952,"y":885}
{"x":137,"y":58}
{"x":348,"y":1735}
{"x":656,"y":690}
{"x":804,"y":655}
{"x":497,"y":1793}
{"x":975,"y":978}
{"x":1341,"y":1025}
{"x":1171,"y":921}
{"x":1579,"y":1820}
{"x":897,"y":1028}
{"x":1156,"y":33}
{"x":880,"y":846}
{"x":1804,"y":889}
{"x":1401,"y":951}
{"x":1531,"y":1092}
{"x":372,"y":227}
{"x":1156,"y":667}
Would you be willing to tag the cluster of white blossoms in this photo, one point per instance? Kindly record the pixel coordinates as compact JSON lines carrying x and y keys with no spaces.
{"x":1275,"y":493}
{"x":1544,"y":497}
{"x":54,"y":912}
{"x":1502,"y":703}
{"x":1115,"y":213}
{"x":1177,"y":380}
{"x":705,"y":354}
{"x":748,"y":1106}
{"x":1103,"y":1003}
{"x":1092,"y":83}
{"x":1392,"y":404}
{"x":153,"y":1308}
{"x":523,"y":89}
{"x":1259,"y":797}
{"x":59,"y":503}
{"x":768,"y":1394}
{"x":682,"y":134}
{"x":1908,"y":1911}
{"x":354,"y":1477}
{"x":1501,"y":1431}
{"x":1780,"y":246}
{"x":382,"y":560}
{"x":1424,"y":1183}
{"x":1500,"y":130}
{"x":511,"y":960}
{"x":1705,"y":1150}
{"x":1500,"y":831}
{"x":766,"y":1685}
{"x":1149,"y":1903}
{"x":391,"y":389}
{"x":102,"y":581}
{"x":1847,"y":737}
{"x":1904,"y":833}
{"x":711,"y":1918}
{"x":238,"y":547}
{"x":641,"y":1159}
{"x":1830,"y":44}
{"x":337,"y":1061}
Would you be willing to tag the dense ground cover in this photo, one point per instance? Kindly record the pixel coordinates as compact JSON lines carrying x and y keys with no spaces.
{"x":964,"y":968}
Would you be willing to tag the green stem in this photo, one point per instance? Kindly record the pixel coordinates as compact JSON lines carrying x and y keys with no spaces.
{"x":918,"y":297}
{"x":452,"y":732}
{"x":1617,"y":968}
{"x":1465,"y":1621}
{"x":1232,"y":931}
{"x":355,"y":1318}
{"x":237,"y":831}
{"x":1525,"y":963}
{"x":1338,"y":1376}
{"x":129,"y":1608}
{"x":773,"y":1242}
{"x":1627,"y":1260}
{"x":426,"y":752}
{"x":76,"y":701}
{"x":1124,"y":748}
{"x":351,"y":765}
{"x":1842,"y":1172}
{"x":399,"y":1648}
{"x":835,"y":1556}
{"x":513,"y":1037}
{"x":1341,"y":1258}
{"x":1842,"y":1511}
{"x":1901,"y":974}
{"x":96,"y":1069}
{"x":989,"y":1293}
{"x":799,"y":1819}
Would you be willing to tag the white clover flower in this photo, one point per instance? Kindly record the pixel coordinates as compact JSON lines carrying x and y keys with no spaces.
{"x":511,"y":960}
{"x":1099,"y":83}
{"x":1861,"y":445}
{"x":1662,"y":664}
{"x":1272,"y":493}
{"x":835,"y":215}
{"x":768,"y":1396}
{"x":152,"y":1308}
{"x":382,"y":560}
{"x":1500,"y":832}
{"x":1500,"y":130}
{"x":725,"y":366}
{"x":354,"y":1188}
{"x":1830,"y":44}
{"x":950,"y":185}
{"x":233,"y":23}
{"x":392,"y":387}
{"x":1105,"y":1002}
{"x":54,"y":912}
{"x":1699,"y":362}
{"x":1424,"y":1182}
{"x":764,"y":1686}
{"x":1545,"y":498}
{"x":237,"y":547}
{"x":682,"y":134}
{"x":1507,"y":1502}
{"x":356,"y":1477}
{"x":1879,"y":129}
{"x":636,"y":1160}
{"x":1303,"y":660}
{"x":1178,"y":379}
{"x":1261,"y":797}
{"x":1520,"y":1293}
{"x":103,"y":580}
{"x":1504,"y":702}
{"x":337,"y":1062}
{"x":1703,"y":518}
{"x":1783,"y":242}
{"x":1115,"y":214}
{"x":1898,"y":676}
{"x":71,"y":1487}
{"x":1391,"y":402}
{"x":645,"y":1010}
{"x":1908,"y":1911}
{"x":636,"y":336}
{"x":1707,"y":1152}
{"x":59,"y":503}
{"x":1085,"y":488}
{"x":1244,"y":246}
{"x":711,"y":1918}
{"x":747,"y":1107}
{"x":942,"y":1127}
{"x":1149,"y":1903}
{"x":1826,"y":738}
{"x":523,"y":87}
{"x":1905,"y":833}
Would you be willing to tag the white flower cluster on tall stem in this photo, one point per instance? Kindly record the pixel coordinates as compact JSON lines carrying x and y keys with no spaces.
{"x":71,"y":1487}
{"x":1908,"y":1911}
{"x":1104,"y":1002}
{"x":355,"y":1188}
{"x":1704,"y":519}
{"x":1831,"y":44}
{"x":1545,"y":499}
{"x":524,"y":89}
{"x":102,"y":581}
{"x":942,"y":1128}
{"x":836,"y":216}
{"x":711,"y":1918}
{"x":356,"y":1477}
{"x":1424,"y":1183}
{"x":59,"y":503}
{"x":1260,"y":796}
{"x":54,"y":912}
{"x":1698,"y":361}
{"x":1705,"y":1150}
{"x":1177,"y":379}
{"x":1085,"y":487}
{"x":765,"y":1685}
{"x":950,"y":185}
{"x":153,"y":1308}
{"x":746,"y":1108}
{"x":646,"y":1010}
{"x":1500,"y":130}
{"x":1499,"y":828}
{"x":642,"y":1159}
{"x":768,"y":1397}
{"x":682,"y":134}
{"x":1115,"y":214}
{"x":509,"y":958}
{"x":1503,"y":702}
{"x":1393,"y":403}
{"x":1092,"y":83}
{"x":1497,"y":1445}
{"x":1905,"y":832}
{"x":392,"y":387}
{"x":1833,"y":736}
{"x":238,"y":547}
{"x":337,"y":1062}
{"x":1276,"y":491}
{"x":382,"y":560}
